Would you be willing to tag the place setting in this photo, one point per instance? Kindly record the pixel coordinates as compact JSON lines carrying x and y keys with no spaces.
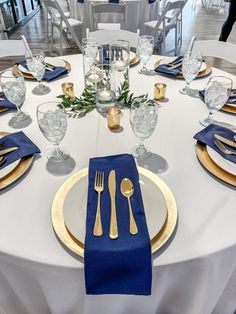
{"x":38,"y":67}
{"x":17,"y":153}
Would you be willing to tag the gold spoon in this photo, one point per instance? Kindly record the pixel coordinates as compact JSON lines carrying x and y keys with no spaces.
{"x":2,"y":160}
{"x":127,"y":189}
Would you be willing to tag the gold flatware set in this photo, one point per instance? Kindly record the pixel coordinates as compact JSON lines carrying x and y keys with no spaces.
{"x":127,"y":190}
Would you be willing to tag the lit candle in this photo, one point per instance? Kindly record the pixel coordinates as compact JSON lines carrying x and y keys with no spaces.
{"x":119,"y":65}
{"x":105,"y":94}
{"x":93,"y":77}
{"x":113,"y":118}
{"x":68,"y":89}
{"x":159,"y":91}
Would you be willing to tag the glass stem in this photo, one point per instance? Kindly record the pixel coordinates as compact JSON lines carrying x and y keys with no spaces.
{"x":56,"y":151}
{"x":141,"y":148}
{"x":187,"y":87}
{"x":210,"y":117}
{"x":144,"y":65}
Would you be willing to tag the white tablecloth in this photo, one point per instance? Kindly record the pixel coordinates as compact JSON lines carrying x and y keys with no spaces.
{"x":194,"y":274}
{"x":137,"y":13}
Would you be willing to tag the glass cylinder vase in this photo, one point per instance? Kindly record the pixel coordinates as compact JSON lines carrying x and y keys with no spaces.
{"x":119,"y":55}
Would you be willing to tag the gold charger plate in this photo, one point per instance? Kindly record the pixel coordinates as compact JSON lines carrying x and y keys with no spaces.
{"x":77,"y":246}
{"x":228,"y":108}
{"x":14,"y":174}
{"x":202,"y":73}
{"x":211,"y":166}
{"x":31,"y":77}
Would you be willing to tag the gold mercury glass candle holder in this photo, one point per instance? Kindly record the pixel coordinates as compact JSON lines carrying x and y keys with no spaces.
{"x":159,"y":91}
{"x":113,"y":118}
{"x":68,"y":89}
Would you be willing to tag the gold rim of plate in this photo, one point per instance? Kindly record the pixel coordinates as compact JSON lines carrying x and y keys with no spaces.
{"x":228,"y":108}
{"x":77,"y":246}
{"x":202,"y":73}
{"x":31,"y":77}
{"x":211,"y":166}
{"x":21,"y":167}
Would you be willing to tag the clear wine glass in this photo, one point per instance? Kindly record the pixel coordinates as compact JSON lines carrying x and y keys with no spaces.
{"x":145,"y":50}
{"x":36,"y":64}
{"x":191,"y":65}
{"x":52,"y":121}
{"x":143,"y":119}
{"x":216,"y":94}
{"x":13,"y":86}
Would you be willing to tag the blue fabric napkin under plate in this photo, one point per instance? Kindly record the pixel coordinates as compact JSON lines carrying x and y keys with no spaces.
{"x":6,"y":103}
{"x":114,"y":1}
{"x":165,"y":68}
{"x":124,"y":265}
{"x":49,"y":75}
{"x":151,"y":1}
{"x":206,"y":136}
{"x":25,"y":147}
{"x":231,"y":100}
{"x":80,"y":1}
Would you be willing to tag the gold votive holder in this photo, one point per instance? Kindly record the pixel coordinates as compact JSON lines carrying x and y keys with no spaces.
{"x":68,"y":89}
{"x":113,"y":118}
{"x":159,"y":91}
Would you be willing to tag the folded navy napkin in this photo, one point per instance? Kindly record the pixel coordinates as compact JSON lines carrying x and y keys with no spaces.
{"x":165,"y":68}
{"x":5,"y":102}
{"x":25,"y":147}
{"x":231,"y":100}
{"x":151,"y":1}
{"x":206,"y":136}
{"x":80,"y":1}
{"x":124,"y":265}
{"x":114,"y":1}
{"x":49,"y":75}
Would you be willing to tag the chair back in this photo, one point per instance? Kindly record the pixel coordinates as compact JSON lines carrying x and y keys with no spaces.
{"x":107,"y":11}
{"x":176,"y":9}
{"x":105,"y":36}
{"x":55,"y":11}
{"x":217,"y":49}
{"x":10,"y":48}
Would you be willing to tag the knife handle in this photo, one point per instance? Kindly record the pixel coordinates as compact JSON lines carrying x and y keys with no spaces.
{"x":113,"y":234}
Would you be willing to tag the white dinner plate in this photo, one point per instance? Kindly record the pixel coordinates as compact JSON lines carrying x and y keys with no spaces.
{"x":222,"y":162}
{"x":75,"y":203}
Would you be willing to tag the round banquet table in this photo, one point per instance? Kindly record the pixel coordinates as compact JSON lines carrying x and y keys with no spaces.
{"x":137,"y":13}
{"x":193,"y":273}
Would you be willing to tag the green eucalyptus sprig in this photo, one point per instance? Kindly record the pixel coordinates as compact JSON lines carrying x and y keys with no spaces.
{"x":79,"y":106}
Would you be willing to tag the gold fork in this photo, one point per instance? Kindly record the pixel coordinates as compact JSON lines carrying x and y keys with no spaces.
{"x":223,"y":148}
{"x":98,"y":187}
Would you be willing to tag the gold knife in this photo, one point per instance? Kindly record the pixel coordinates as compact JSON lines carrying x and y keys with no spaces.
{"x":225,"y":140}
{"x":113,"y":233}
{"x":8,"y":150}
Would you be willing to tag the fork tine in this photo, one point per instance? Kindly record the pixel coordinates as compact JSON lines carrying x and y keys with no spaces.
{"x":102,"y":179}
{"x":95,"y":179}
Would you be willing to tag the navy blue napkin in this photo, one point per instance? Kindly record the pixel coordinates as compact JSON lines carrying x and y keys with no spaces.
{"x":114,"y":1}
{"x":124,"y":265}
{"x":151,"y":1}
{"x":206,"y":136}
{"x":25,"y":147}
{"x":6,"y":103}
{"x":165,"y":69}
{"x":80,"y":1}
{"x":49,"y":75}
{"x":231,"y":100}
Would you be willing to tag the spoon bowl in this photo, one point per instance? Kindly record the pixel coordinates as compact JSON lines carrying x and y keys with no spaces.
{"x":127,"y":190}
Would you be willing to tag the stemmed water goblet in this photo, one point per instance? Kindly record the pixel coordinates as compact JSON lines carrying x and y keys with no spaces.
{"x":143,"y":119}
{"x":52,"y":121}
{"x":145,"y":50}
{"x":13,"y":86}
{"x":36,"y":64}
{"x":191,"y":65}
{"x":216,"y":94}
